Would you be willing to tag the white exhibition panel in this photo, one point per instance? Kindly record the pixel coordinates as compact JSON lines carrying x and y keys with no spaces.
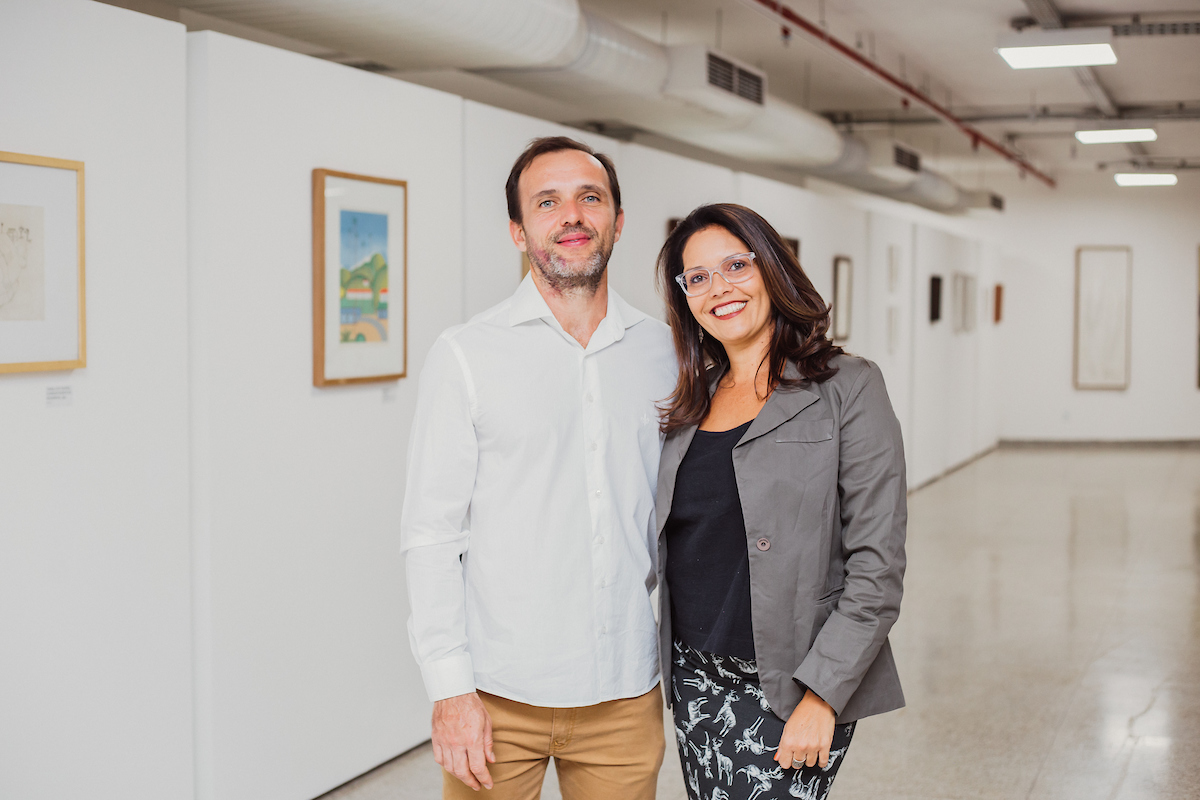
{"x":95,"y":619}
{"x":1040,"y":233}
{"x":946,"y":365}
{"x":304,"y":674}
{"x":656,"y":187}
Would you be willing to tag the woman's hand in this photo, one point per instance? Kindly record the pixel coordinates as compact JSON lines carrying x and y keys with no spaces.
{"x":808,"y":734}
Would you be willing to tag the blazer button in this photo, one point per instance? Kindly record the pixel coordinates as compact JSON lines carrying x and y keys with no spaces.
{"x":764,"y":544}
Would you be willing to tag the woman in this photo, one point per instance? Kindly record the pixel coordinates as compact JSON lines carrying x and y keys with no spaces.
{"x":782,"y":512}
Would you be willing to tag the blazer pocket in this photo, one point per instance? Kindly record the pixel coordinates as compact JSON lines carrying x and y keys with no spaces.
{"x":816,"y":430}
{"x":831,"y":596}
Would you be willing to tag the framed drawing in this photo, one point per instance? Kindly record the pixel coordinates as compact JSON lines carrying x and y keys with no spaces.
{"x":672,"y":224}
{"x":360,"y":278}
{"x":963,"y":302}
{"x":935,"y":298}
{"x":998,"y":303}
{"x":1103,"y":277}
{"x":842,"y":287}
{"x":42,"y":309}
{"x":793,"y":245}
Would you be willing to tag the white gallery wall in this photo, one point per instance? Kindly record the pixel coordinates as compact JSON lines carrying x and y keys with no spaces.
{"x":95,"y":627}
{"x":203,"y":540}
{"x":304,"y":676}
{"x":1039,"y":235}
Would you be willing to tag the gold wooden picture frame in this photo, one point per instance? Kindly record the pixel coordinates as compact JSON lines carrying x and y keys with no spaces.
{"x":360,"y":237}
{"x":43,"y":313}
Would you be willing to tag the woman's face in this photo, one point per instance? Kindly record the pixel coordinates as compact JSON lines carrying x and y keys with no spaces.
{"x":737,"y":314}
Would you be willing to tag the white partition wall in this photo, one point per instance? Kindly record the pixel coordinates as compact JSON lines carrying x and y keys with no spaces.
{"x":655,"y":187}
{"x":95,"y":633}
{"x":1040,"y":233}
{"x":303,"y":669}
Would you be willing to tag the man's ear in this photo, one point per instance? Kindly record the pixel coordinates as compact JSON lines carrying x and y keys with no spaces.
{"x":518,"y":235}
{"x":619,"y":225}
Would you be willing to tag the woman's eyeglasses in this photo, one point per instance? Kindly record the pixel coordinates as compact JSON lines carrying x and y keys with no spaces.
{"x":734,"y":269}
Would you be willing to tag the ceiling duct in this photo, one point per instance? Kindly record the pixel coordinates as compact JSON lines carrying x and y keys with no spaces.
{"x":712,"y":80}
{"x":552,"y":48}
{"x":418,"y":34}
{"x":620,"y":75}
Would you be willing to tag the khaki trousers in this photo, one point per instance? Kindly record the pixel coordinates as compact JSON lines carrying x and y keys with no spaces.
{"x":609,"y":751}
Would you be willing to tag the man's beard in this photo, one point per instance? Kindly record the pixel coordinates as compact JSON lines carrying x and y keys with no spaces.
{"x":560,"y":275}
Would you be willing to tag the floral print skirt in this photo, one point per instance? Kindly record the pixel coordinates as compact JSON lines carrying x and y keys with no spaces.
{"x":728,"y":735}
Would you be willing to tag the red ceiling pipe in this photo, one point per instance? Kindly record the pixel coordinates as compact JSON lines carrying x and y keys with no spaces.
{"x":906,"y":90}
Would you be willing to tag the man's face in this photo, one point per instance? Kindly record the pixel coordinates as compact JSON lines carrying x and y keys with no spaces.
{"x":569,"y":219}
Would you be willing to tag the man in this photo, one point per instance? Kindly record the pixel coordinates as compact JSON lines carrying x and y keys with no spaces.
{"x":528,"y":519}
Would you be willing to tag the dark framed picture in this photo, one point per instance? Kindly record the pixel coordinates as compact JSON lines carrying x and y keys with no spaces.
{"x":935,"y":298}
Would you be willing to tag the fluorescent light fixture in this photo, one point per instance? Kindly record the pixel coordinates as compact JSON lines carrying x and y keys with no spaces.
{"x":1113,"y":136}
{"x":1064,"y":47}
{"x":1146,"y":178}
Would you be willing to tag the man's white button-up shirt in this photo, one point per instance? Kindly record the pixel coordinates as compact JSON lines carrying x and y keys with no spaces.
{"x":528,"y":517}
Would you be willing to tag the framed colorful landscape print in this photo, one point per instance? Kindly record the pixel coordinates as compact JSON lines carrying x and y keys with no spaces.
{"x":42,"y":310}
{"x":360,"y":268}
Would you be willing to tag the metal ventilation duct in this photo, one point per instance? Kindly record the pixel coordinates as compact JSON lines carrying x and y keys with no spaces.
{"x":413,"y":34}
{"x":551,"y":47}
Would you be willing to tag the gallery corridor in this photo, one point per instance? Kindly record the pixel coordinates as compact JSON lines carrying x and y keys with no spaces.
{"x":1049,"y":640}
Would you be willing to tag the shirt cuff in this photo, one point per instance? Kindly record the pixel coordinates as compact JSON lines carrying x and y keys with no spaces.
{"x":448,"y":677}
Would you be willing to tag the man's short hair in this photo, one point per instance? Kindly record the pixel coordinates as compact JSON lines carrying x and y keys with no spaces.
{"x":553,"y":144}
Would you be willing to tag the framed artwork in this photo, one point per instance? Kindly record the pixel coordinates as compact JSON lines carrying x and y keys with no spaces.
{"x":893,"y":268}
{"x":793,"y":245}
{"x":1103,"y":310}
{"x":843,"y":284}
{"x":997,"y":303}
{"x":360,"y":278}
{"x":963,"y":305}
{"x":935,"y":298}
{"x":672,"y":224}
{"x":42,"y":309}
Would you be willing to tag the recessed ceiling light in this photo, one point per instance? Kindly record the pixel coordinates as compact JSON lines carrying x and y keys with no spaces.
{"x":1066,"y":47}
{"x":1117,"y":135}
{"x":1146,"y":178}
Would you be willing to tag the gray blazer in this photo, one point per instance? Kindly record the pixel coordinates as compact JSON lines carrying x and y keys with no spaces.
{"x":821,"y":478}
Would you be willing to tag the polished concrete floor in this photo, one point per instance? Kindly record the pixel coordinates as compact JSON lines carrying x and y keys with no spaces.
{"x":1049,"y":640}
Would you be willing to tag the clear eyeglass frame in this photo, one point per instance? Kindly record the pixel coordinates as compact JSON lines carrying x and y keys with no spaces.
{"x":691,"y":288}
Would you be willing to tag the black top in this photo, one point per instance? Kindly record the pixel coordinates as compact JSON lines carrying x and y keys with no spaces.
{"x":708,"y":568}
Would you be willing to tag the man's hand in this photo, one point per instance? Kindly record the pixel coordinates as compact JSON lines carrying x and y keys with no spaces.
{"x":808,"y":734}
{"x":462,"y":739}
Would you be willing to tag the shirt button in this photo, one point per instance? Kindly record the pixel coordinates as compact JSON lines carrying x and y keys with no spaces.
{"x":595,"y":447}
{"x":597,"y":493}
{"x":764,"y":544}
{"x":604,"y":629}
{"x":599,"y":540}
{"x":588,"y":397}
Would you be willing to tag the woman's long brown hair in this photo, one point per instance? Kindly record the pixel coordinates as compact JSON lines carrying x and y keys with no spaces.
{"x":800,"y":316}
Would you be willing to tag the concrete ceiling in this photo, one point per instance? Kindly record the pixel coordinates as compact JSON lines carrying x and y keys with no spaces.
{"x":946,"y":48}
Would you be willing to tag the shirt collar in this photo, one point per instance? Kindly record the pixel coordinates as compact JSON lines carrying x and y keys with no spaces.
{"x":528,"y":304}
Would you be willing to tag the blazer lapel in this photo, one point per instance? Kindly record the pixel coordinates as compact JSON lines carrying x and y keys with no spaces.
{"x":673,"y":452}
{"x":783,"y":404}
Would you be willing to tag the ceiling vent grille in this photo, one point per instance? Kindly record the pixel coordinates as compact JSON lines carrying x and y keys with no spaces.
{"x":724,"y":74}
{"x":908,"y":159}
{"x":750,"y":86}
